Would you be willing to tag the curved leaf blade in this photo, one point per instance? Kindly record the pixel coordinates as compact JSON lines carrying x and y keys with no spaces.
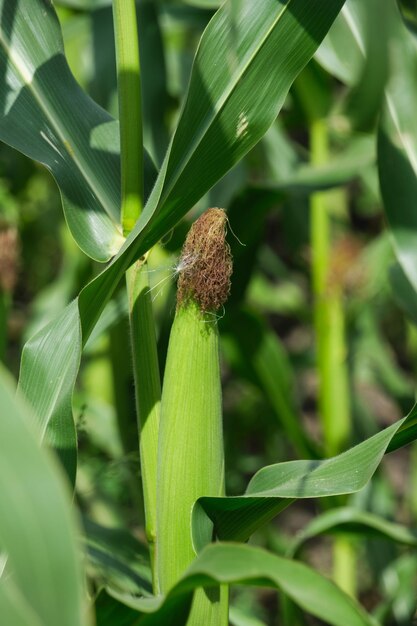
{"x":13,"y":608}
{"x":397,"y":150}
{"x":118,"y":559}
{"x":234,"y":98}
{"x":348,"y":519}
{"x":344,"y":167}
{"x":273,"y":488}
{"x":347,"y":33}
{"x":46,"y":115}
{"x":362,"y":28}
{"x":110,"y":611}
{"x":225,"y":563}
{"x":47,"y":379}
{"x":84,"y":5}
{"x":47,"y":375}
{"x":364,"y":101}
{"x":43,"y":555}
{"x":402,"y":290}
{"x":196,"y":159}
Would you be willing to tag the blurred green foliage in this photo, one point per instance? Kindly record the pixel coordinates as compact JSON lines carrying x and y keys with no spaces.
{"x":271,"y":385}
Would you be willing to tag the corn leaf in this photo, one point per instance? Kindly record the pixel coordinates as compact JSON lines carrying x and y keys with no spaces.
{"x":397,"y":151}
{"x":346,"y":34}
{"x":397,"y":146}
{"x":118,"y":557}
{"x":110,"y":611}
{"x":45,"y":114}
{"x":364,"y":101}
{"x":245,"y":565}
{"x":85,"y":5}
{"x":362,"y":28}
{"x":350,"y":520}
{"x":275,"y":487}
{"x":204,"y":4}
{"x":43,"y":581}
{"x":344,"y":167}
{"x":403,"y":291}
{"x":266,"y":45}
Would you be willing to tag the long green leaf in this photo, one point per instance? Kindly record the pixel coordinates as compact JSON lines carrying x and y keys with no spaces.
{"x":397,"y":140}
{"x":228,"y":108}
{"x":204,"y":4}
{"x":274,"y":487}
{"x":43,"y":584}
{"x":110,"y":611}
{"x":245,"y":565}
{"x":46,"y":115}
{"x":118,"y":559}
{"x":231,"y":105}
{"x":403,"y":291}
{"x":343,"y":167}
{"x":362,"y":28}
{"x":364,"y":101}
{"x":238,"y":617}
{"x":348,"y":519}
{"x":397,"y":150}
{"x":86,"y":5}
{"x":346,"y":34}
{"x":409,"y":14}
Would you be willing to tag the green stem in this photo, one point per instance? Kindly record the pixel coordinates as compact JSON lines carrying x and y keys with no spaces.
{"x":145,"y":361}
{"x":329,"y":319}
{"x":328,"y":313}
{"x":334,"y":396}
{"x":344,"y":565}
{"x":191,"y":458}
{"x":320,"y":248}
{"x":320,"y":224}
{"x":130,"y":111}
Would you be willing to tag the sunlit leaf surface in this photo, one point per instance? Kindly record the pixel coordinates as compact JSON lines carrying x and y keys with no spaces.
{"x":46,"y":115}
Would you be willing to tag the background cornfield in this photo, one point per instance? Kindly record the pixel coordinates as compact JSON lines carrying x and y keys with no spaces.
{"x":299,"y":119}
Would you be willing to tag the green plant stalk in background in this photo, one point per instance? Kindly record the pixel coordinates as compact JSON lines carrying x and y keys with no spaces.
{"x":329,"y":320}
{"x":191,"y":455}
{"x":145,"y":360}
{"x":328,"y":312}
{"x":130,"y":111}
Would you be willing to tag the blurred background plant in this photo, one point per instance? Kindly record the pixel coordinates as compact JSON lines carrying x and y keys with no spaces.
{"x":318,"y":339}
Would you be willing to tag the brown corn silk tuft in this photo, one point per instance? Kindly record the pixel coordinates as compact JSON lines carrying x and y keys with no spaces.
{"x":9,"y":253}
{"x":206,"y":263}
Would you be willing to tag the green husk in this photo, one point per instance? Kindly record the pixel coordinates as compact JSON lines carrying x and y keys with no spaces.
{"x":190,"y":452}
